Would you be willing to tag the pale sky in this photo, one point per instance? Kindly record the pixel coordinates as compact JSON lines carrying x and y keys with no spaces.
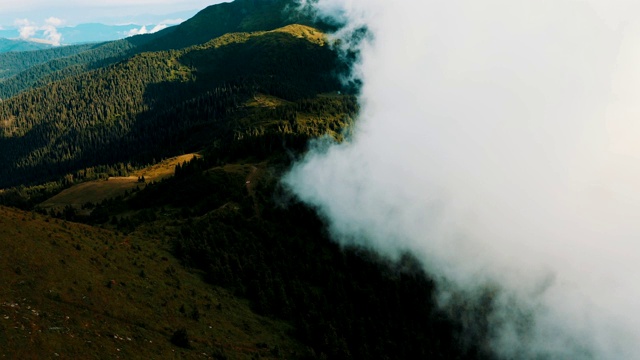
{"x":74,"y":12}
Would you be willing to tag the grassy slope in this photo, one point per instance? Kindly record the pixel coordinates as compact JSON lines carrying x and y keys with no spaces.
{"x":220,"y":19}
{"x":99,"y":190}
{"x":78,"y":291}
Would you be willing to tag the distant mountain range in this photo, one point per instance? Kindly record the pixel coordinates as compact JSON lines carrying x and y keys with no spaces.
{"x":7,"y":45}
{"x":26,"y":35}
{"x":11,"y":40}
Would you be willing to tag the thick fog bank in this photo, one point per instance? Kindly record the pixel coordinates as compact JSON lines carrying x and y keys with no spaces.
{"x":499,"y":142}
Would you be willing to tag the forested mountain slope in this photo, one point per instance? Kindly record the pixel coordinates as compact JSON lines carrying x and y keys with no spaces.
{"x":14,"y":62}
{"x":63,"y":67}
{"x":236,"y":16}
{"x":139,"y":105}
{"x":210,"y":23}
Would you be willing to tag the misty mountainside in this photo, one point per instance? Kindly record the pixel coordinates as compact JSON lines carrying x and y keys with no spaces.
{"x":198,"y":250}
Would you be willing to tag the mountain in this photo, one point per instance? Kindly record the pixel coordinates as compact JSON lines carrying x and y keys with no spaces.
{"x":71,"y":124}
{"x":77,"y":60}
{"x":14,"y":62}
{"x":153,"y":223}
{"x":7,"y":45}
{"x":214,"y":21}
{"x":236,"y":16}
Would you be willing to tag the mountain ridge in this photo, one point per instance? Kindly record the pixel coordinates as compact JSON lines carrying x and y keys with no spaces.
{"x":211,"y":22}
{"x":173,"y":76}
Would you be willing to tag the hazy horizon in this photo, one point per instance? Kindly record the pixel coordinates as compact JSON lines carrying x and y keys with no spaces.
{"x":41,"y":21}
{"x":108,"y":12}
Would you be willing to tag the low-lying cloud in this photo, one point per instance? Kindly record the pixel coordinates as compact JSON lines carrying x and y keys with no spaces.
{"x":163,"y":25}
{"x":498,"y":142}
{"x":29,"y":30}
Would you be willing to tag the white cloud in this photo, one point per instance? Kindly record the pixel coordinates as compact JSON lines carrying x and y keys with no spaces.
{"x":138,"y":31}
{"x":28,"y":29}
{"x":158,"y":28}
{"x":50,"y":30}
{"x":498,"y":142}
{"x":143,"y":30}
{"x":170,"y":22}
{"x":53,"y":21}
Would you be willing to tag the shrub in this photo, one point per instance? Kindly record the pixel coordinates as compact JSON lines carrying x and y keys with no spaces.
{"x":180,"y":338}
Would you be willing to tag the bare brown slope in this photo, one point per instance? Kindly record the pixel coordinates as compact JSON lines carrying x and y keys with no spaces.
{"x":75,"y":291}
